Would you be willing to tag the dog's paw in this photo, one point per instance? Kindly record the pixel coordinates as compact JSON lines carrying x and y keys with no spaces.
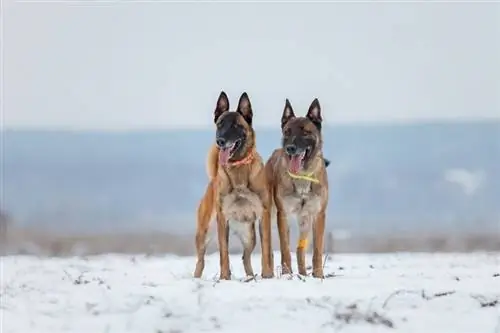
{"x":267,"y":274}
{"x":318,"y":274}
{"x":285,"y":270}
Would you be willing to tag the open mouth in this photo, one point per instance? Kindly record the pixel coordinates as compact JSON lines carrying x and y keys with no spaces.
{"x":297,"y":161}
{"x":228,"y":151}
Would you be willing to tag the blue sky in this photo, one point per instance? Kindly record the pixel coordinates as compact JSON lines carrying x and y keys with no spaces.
{"x":162,"y":65}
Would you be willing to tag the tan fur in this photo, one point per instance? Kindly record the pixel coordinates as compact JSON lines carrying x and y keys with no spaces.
{"x":300,"y":198}
{"x":212,"y":164}
{"x":238,"y":197}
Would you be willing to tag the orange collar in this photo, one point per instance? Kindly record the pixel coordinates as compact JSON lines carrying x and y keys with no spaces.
{"x":246,"y":160}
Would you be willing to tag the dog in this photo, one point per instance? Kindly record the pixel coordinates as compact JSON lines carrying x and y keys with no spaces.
{"x":298,"y":185}
{"x":237,"y":193}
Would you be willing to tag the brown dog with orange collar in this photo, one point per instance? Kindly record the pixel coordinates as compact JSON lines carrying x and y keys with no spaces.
{"x":237,"y":192}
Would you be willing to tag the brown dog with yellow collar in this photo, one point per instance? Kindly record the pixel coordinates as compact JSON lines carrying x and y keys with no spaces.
{"x":298,"y":185}
{"x":237,"y":192}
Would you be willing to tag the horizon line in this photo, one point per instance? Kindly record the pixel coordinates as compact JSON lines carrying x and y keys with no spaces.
{"x":395,"y":123}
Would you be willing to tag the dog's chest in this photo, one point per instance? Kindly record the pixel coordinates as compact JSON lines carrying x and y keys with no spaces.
{"x":302,"y":188}
{"x":241,"y":205}
{"x":301,"y":200}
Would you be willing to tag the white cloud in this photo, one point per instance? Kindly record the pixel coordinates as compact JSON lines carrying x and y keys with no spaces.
{"x":469,"y":181}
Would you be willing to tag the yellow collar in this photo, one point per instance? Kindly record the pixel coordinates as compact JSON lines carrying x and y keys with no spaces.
{"x":304,"y":176}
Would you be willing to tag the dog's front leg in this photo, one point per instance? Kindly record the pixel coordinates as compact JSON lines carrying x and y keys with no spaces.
{"x":284,"y":235}
{"x":223,"y":236}
{"x":265,"y":235}
{"x":318,"y":243}
{"x":305,"y":223}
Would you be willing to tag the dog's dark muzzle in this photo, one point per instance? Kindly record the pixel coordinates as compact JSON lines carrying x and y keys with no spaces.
{"x":297,"y":145}
{"x":221,"y":142}
{"x":293,"y":149}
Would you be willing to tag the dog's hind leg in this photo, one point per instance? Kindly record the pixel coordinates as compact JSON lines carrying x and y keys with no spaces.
{"x":201,"y":248}
{"x":267,"y":259}
{"x":223,"y":238}
{"x":318,"y":242}
{"x":284,"y":235}
{"x":205,"y":214}
{"x":249,"y":246}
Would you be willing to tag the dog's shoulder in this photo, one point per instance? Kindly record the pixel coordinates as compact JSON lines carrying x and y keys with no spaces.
{"x":322,"y":173}
{"x":258,"y":161}
{"x":257,"y":166}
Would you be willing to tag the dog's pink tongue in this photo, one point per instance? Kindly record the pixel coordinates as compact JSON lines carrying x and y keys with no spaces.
{"x":224,"y":154}
{"x":295,"y":163}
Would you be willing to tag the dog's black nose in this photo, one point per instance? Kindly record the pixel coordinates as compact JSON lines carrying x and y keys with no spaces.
{"x":291,"y":149}
{"x":220,"y":142}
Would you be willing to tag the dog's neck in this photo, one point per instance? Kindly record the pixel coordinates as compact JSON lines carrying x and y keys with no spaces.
{"x":304,"y":176}
{"x":246,"y":160}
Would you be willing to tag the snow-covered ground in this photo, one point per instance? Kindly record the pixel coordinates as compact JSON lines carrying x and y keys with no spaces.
{"x":428,"y":293}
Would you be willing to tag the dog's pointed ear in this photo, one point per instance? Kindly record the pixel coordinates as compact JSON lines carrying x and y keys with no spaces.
{"x":287,"y":113}
{"x":245,"y":108}
{"x":222,"y":106}
{"x":314,"y":113}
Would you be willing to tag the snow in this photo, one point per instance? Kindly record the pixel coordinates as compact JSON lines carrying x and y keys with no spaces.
{"x":426,"y":293}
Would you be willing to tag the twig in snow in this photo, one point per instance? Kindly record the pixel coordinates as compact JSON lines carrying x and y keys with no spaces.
{"x":331,"y":275}
{"x":351,"y":314}
{"x":250,"y":278}
{"x":79,"y":279}
{"x":485,"y":303}
{"x":421,"y":293}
